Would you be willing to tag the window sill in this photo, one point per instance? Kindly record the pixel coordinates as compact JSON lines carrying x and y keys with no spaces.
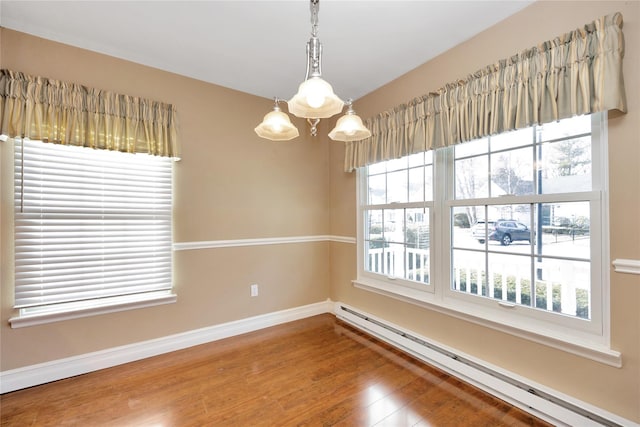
{"x":34,"y":319}
{"x":587,"y":349}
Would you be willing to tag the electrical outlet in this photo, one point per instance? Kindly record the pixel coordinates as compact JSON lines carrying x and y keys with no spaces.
{"x":254,"y":290}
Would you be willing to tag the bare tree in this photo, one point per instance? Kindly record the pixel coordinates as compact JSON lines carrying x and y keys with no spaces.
{"x":468,"y":183}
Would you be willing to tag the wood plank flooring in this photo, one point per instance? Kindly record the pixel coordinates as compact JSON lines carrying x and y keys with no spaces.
{"x":312,"y":372}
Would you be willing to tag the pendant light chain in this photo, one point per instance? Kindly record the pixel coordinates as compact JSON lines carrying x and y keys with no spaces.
{"x":315,"y":7}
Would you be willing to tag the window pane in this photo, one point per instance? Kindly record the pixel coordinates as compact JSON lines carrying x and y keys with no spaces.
{"x":417,"y":184}
{"x":394,"y":225}
{"x":512,"y":172}
{"x":395,"y":259}
{"x":468,"y":274}
{"x":512,"y":232}
{"x":471,"y":148}
{"x":417,"y":228}
{"x":375,"y":168}
{"x":510,"y":278}
{"x":512,"y":139}
{"x":373,"y":228}
{"x":463,"y":219}
{"x":377,"y":194}
{"x":428,"y":183}
{"x":563,"y":128}
{"x":397,"y":164}
{"x":563,"y":286}
{"x":428,"y":158}
{"x":565,"y":229}
{"x":471,"y":178}
{"x":417,"y":238}
{"x":397,"y":190}
{"x":566,"y":166}
{"x":416,"y":159}
{"x":375,"y":257}
{"x":374,"y":241}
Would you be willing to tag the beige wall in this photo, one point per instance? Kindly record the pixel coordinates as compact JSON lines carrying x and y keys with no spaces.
{"x":617,"y":390}
{"x":230,"y":184}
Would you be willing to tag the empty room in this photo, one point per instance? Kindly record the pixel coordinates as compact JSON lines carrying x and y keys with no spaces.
{"x":354,"y":213}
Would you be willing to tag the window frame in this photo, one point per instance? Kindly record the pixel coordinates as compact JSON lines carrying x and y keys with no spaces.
{"x":384,"y":281}
{"x":587,"y":338}
{"x":52,"y":312}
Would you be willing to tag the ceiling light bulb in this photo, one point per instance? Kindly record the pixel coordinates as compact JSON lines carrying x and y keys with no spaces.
{"x":276,"y":122}
{"x":349,"y":127}
{"x":276,"y":126}
{"x":315,"y":90}
{"x":315,"y":100}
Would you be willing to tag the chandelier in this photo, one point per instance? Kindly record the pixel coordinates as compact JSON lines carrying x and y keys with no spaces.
{"x":315,"y":100}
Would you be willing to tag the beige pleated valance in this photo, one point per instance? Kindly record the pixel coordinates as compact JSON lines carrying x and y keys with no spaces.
{"x":577,"y":73}
{"x":72,"y":114}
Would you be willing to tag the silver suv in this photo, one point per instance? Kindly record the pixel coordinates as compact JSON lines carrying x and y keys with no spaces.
{"x":478,"y":230}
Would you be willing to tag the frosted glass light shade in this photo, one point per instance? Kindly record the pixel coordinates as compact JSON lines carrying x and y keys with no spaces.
{"x":349,"y":128}
{"x":276,"y":126}
{"x":315,"y":100}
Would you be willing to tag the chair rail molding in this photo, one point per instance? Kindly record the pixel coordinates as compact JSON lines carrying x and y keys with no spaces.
{"x":211,"y":244}
{"x":630,"y":266}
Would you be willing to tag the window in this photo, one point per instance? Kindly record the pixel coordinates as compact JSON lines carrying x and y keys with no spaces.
{"x":505,"y":230}
{"x":93,"y":229}
{"x":397,"y":212}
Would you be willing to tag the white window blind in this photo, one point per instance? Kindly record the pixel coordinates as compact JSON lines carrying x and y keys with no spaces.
{"x":91,"y":226}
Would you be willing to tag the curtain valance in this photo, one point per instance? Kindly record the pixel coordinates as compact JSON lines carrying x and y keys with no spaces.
{"x":72,"y":114}
{"x":577,"y":73}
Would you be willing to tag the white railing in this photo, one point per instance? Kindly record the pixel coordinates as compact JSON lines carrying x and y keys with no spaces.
{"x":410,"y":263}
{"x":506,"y":278}
{"x":506,"y":281}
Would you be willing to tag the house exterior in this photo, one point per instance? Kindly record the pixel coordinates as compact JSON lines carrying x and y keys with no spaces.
{"x":291,"y":210}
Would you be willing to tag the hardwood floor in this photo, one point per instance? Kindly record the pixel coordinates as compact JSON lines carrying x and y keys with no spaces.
{"x":312,"y":372}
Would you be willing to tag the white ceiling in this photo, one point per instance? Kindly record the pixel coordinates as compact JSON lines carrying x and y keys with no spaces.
{"x":259,"y":46}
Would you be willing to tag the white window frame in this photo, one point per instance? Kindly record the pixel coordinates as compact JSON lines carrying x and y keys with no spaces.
{"x":408,"y":286}
{"x":589,"y":339}
{"x":29,"y":315}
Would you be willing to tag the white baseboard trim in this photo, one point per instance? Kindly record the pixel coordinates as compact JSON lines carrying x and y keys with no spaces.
{"x":545,"y":403}
{"x":548,"y":404}
{"x":42,"y":373}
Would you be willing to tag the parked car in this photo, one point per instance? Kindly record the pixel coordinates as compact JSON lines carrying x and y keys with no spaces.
{"x":507,"y":231}
{"x":478,"y":230}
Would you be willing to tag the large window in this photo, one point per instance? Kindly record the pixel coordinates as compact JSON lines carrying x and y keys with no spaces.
{"x":509,"y":229}
{"x":93,"y":229}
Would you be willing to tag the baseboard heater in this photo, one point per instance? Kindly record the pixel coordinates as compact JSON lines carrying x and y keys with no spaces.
{"x":531,"y":398}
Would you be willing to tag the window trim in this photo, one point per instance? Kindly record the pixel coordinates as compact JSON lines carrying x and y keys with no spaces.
{"x":592,"y":342}
{"x":22,"y":320}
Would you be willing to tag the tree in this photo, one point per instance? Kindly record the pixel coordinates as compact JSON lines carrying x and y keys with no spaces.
{"x":468,"y":183}
{"x":572,"y":157}
{"x":506,"y":175}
